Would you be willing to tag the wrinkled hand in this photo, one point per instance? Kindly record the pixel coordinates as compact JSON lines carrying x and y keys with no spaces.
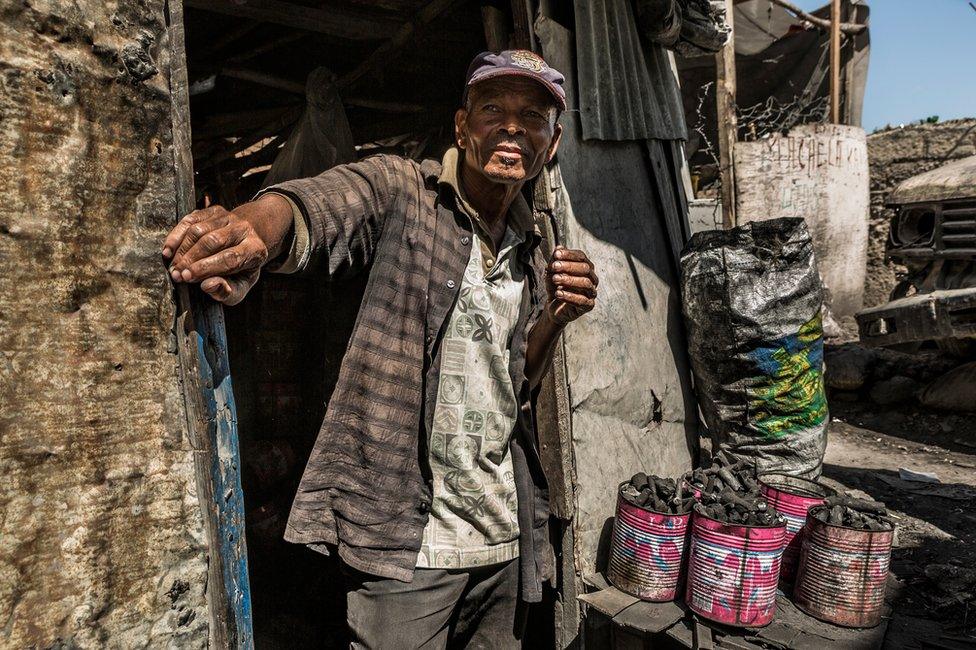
{"x":571,"y":283}
{"x":219,"y":249}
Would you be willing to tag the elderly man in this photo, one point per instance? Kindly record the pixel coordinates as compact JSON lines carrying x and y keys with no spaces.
{"x":425,"y":475}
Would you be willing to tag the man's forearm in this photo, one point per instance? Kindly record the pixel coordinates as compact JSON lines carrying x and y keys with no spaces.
{"x":271,"y":217}
{"x":540,"y":347}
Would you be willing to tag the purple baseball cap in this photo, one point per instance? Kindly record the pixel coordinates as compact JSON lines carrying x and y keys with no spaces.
{"x":522,"y":63}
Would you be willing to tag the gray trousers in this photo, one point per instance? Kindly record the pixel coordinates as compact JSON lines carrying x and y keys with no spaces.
{"x":461,"y":608}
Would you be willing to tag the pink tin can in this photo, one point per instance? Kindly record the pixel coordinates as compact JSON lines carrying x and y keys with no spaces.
{"x":792,"y":497}
{"x":647,"y":551}
{"x":733,"y":571}
{"x":843,"y":573}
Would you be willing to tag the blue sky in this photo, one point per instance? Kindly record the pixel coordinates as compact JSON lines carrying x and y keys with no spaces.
{"x":923,"y":60}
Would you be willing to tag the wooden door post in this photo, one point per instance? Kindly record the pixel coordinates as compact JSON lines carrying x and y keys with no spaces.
{"x":835,"y":20}
{"x":727,"y":120}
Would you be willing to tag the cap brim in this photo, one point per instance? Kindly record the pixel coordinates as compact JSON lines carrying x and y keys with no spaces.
{"x":507,"y":72}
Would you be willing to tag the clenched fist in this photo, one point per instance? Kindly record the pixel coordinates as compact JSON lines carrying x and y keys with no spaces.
{"x":571,"y":284}
{"x":224,"y":250}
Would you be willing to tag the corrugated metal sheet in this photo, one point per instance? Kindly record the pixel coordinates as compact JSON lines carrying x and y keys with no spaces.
{"x":627,"y":90}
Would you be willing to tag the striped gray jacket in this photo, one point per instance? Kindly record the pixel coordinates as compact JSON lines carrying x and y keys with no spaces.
{"x":366,"y":487}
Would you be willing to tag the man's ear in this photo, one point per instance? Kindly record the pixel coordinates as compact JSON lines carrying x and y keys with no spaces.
{"x":460,"y":128}
{"x":557,"y":134}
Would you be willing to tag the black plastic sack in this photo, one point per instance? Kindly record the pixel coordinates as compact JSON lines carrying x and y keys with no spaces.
{"x":751,"y":299}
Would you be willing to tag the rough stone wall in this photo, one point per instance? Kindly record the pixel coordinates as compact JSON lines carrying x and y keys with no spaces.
{"x":101,"y":538}
{"x":894,"y":156}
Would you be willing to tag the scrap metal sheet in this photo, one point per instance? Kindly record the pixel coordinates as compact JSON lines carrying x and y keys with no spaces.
{"x":631,"y":402}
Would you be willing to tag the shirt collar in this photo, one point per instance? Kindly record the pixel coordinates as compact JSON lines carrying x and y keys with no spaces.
{"x":519,"y":214}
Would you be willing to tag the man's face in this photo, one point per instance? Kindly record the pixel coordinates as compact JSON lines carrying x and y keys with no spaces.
{"x":508,"y":129}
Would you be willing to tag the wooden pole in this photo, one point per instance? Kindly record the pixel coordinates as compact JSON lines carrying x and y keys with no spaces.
{"x":522,"y":22}
{"x":727,"y":120}
{"x":835,"y":20}
{"x":496,"y":28}
{"x":847,"y":28}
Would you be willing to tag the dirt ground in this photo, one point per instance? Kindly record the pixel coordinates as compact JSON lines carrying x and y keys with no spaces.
{"x":935,"y":556}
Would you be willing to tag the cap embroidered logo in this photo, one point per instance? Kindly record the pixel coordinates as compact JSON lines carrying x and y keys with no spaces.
{"x":528,"y":60}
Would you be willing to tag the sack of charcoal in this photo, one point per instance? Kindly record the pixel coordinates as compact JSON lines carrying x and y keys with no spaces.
{"x":752,"y":302}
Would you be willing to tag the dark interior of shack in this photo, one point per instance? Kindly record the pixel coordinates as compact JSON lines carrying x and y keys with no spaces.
{"x":397,"y":66}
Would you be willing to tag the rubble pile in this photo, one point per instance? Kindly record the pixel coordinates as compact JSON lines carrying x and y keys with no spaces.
{"x":658,"y":494}
{"x":856,"y":374}
{"x":861,"y":514}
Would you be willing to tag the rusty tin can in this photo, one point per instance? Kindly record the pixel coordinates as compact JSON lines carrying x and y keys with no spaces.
{"x":792,"y":497}
{"x":843,"y":573}
{"x":733,"y":571}
{"x":647,"y":551}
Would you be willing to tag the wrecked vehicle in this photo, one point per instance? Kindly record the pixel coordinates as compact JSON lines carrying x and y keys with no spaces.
{"x":933,"y":234}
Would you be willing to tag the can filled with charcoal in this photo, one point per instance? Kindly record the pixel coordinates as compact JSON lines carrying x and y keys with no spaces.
{"x":649,"y":538}
{"x":722,"y":474}
{"x":792,"y":497}
{"x":844,"y":560}
{"x":737,"y":544}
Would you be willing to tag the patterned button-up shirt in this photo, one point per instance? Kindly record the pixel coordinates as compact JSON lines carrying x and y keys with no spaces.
{"x":367,"y":488}
{"x":473,"y":518}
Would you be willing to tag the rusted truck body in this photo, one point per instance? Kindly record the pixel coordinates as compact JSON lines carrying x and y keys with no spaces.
{"x":933,"y":235}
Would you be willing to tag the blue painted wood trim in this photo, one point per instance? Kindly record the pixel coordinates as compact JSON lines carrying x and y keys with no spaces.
{"x":225,"y":465}
{"x":209,"y":399}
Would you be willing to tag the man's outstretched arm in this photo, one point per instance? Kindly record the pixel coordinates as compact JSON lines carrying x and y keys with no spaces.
{"x":335,"y":217}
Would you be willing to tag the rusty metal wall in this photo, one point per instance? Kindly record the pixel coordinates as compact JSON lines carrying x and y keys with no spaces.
{"x":626,"y":87}
{"x":101,"y":536}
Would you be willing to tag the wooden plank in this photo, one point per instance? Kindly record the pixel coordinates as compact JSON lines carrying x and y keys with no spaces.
{"x":217,"y":125}
{"x":835,"y":20}
{"x":264,"y":79}
{"x":650,"y":617}
{"x":411,"y":123}
{"x":231,"y":36}
{"x":610,"y":601}
{"x":524,"y":37}
{"x":727,"y":120}
{"x":274,"y":127}
{"x":596,"y":581}
{"x":101,"y":529}
{"x":341,"y":23}
{"x":553,"y":407}
{"x":268,"y":46}
{"x":567,"y":615}
{"x":404,"y":35}
{"x":209,"y":398}
{"x":496,"y":27}
{"x":812,"y":629}
{"x":703,"y":636}
{"x":682,"y":633}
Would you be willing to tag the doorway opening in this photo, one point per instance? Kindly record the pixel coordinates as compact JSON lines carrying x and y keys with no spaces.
{"x":282,"y":90}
